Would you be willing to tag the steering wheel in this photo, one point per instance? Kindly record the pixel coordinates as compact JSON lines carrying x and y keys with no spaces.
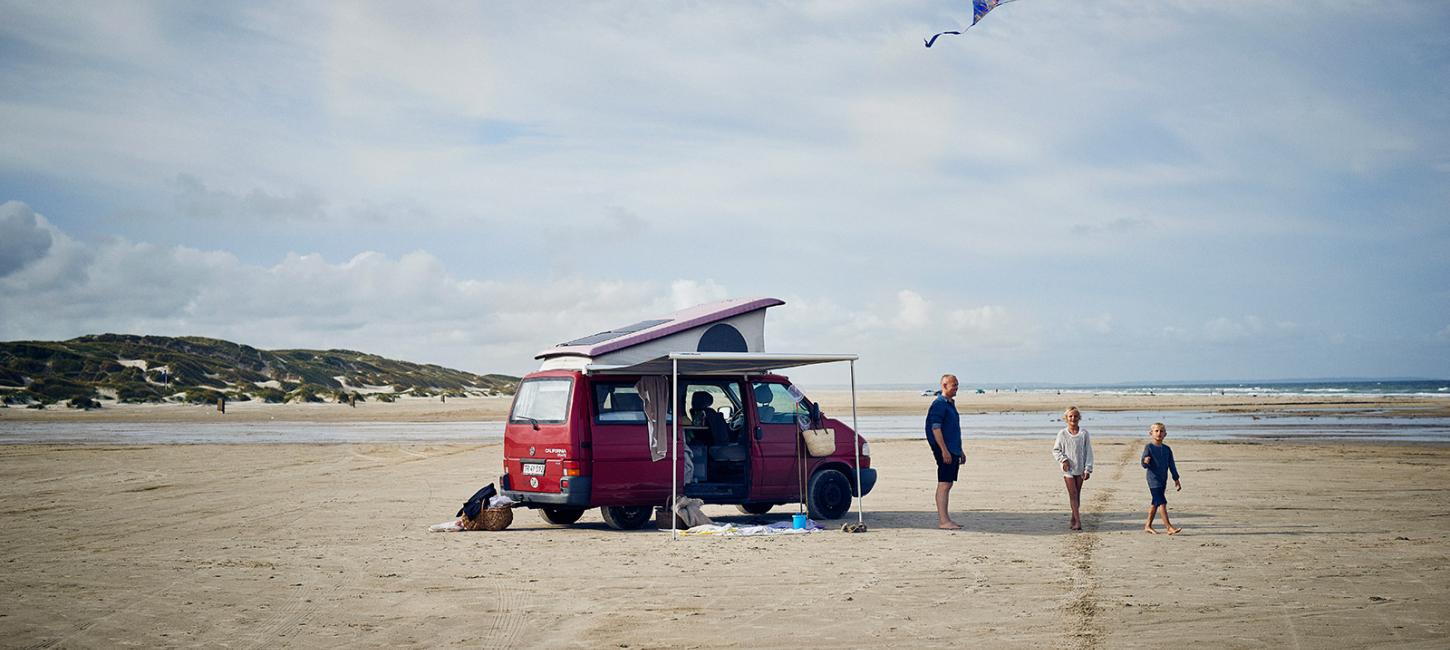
{"x":737,"y":422}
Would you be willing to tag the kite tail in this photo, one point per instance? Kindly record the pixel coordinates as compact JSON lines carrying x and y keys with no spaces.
{"x":931,"y":40}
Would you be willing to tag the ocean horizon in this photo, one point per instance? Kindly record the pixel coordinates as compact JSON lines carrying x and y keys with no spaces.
{"x":1380,"y":387}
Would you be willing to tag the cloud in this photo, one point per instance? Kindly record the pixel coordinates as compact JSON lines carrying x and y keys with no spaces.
{"x":912,"y":311}
{"x":688,"y":293}
{"x":22,"y":239}
{"x":1121,"y":225}
{"x":1227,"y":331}
{"x":194,"y":199}
{"x":409,"y":306}
{"x":1100,"y":324}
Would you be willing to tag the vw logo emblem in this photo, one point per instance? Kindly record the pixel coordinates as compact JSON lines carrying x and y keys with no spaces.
{"x":531,"y":451}
{"x":533,"y":482}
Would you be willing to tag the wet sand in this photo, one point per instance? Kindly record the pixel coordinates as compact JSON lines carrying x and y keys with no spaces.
{"x":1308,"y":545}
{"x":837,"y":403}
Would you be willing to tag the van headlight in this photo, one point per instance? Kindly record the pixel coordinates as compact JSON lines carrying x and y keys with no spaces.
{"x":865,"y":449}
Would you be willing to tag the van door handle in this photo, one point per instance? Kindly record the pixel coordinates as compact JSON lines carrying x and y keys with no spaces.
{"x":759,"y":435}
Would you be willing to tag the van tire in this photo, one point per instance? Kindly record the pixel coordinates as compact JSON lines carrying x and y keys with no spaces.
{"x":561,"y":516}
{"x":829,"y":494}
{"x":627,"y":517}
{"x":755,"y":508}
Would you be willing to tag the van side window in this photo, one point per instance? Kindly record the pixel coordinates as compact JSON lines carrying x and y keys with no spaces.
{"x":544,"y":400}
{"x":775,"y":404}
{"x":618,"y":404}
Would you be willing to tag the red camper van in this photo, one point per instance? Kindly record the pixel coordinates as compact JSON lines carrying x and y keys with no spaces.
{"x":592,"y":428}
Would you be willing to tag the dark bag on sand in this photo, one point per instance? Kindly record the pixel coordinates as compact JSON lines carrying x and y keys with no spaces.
{"x":477,"y":502}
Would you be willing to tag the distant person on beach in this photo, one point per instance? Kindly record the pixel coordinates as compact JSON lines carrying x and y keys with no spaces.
{"x":1158,"y":458}
{"x":1074,"y":452}
{"x":944,"y":436}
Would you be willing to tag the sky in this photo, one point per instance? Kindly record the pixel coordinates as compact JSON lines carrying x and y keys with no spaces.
{"x":1071,"y":192}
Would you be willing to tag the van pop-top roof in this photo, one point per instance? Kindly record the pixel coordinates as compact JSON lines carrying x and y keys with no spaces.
{"x":736,"y":325}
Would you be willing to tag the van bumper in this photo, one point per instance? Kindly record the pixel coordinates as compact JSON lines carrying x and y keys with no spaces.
{"x":576,"y":495}
{"x":868,"y":481}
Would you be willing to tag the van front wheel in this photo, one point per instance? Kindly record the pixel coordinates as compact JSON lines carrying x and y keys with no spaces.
{"x":829,"y":494}
{"x":626,"y":517}
{"x":561,"y":516}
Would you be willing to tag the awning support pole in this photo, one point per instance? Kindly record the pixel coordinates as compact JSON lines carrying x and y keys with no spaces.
{"x":856,"y":442}
{"x":674,"y":445}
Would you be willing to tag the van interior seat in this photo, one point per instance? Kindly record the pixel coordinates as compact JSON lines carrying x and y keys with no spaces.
{"x":721,"y":441}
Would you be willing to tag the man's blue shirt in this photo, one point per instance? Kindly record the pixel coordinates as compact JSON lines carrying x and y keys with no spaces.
{"x":943,"y":413}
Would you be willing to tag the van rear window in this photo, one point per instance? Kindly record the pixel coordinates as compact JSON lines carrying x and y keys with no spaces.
{"x":544,"y":400}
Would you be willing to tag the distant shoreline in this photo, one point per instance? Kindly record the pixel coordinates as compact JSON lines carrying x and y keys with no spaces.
{"x":835,"y":402}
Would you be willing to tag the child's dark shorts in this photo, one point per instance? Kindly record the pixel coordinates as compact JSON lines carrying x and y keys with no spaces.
{"x":1160,"y":497}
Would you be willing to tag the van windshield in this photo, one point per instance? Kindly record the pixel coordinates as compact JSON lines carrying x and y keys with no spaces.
{"x":544,"y":400}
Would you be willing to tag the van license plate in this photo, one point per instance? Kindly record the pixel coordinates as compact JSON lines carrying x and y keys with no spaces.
{"x":533,"y":469}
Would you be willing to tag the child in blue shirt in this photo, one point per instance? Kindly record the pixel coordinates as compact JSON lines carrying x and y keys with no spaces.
{"x":1158,"y":458}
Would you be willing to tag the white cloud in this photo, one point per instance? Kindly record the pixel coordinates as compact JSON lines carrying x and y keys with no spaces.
{"x":1231,"y":331}
{"x":1099,"y":324}
{"x":912,"y":311}
{"x":687,"y":293}
{"x":410,"y":306}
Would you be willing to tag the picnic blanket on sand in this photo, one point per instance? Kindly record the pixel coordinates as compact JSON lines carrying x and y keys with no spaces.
{"x":778,"y":528}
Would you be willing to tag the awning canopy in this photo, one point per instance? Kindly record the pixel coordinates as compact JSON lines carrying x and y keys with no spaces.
{"x":718,"y":363}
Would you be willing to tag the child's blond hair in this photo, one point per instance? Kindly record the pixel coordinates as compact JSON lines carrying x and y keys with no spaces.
{"x":1158,"y":425}
{"x":1071,"y":409}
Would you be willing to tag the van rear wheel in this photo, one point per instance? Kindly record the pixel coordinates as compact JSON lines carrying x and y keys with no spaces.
{"x":829,"y":494}
{"x":561,"y":516}
{"x":755,"y":508}
{"x":626,"y":517}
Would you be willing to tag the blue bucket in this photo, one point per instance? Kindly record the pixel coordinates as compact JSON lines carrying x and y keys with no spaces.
{"x":798,"y":521}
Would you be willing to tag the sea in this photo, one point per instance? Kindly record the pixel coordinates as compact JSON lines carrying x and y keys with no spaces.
{"x":1302,"y":424}
{"x":1368,"y":387}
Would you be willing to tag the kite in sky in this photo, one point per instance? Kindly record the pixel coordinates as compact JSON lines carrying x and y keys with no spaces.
{"x":979,"y":11}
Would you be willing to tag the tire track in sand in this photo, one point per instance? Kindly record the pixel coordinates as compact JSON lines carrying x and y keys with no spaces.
{"x":1082,"y":605}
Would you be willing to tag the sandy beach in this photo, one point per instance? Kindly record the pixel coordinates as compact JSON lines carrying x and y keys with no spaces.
{"x":290,"y":545}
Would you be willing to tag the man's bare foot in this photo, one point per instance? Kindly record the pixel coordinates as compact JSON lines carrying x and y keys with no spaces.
{"x":1076,"y":525}
{"x":949,"y":525}
{"x":1149,"y":530}
{"x":1174,"y":531}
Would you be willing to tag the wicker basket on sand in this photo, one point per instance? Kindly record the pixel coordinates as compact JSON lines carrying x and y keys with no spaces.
{"x":490,"y":519}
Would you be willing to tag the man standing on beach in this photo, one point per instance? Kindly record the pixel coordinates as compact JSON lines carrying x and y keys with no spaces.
{"x":944,"y":435}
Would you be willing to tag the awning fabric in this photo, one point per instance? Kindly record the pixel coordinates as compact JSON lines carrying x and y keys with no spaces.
{"x":718,"y":363}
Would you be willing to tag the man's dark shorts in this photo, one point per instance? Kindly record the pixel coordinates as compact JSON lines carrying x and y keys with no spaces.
{"x":946,"y":473}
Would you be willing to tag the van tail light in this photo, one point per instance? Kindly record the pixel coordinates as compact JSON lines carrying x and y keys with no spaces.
{"x":573,"y":468}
